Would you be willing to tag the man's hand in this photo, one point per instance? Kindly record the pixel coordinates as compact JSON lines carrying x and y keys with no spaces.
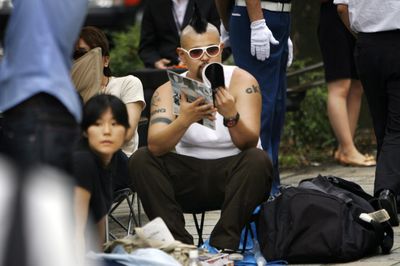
{"x":225,"y":103}
{"x":162,"y":63}
{"x":290,"y":54}
{"x":261,"y":37}
{"x":190,"y":113}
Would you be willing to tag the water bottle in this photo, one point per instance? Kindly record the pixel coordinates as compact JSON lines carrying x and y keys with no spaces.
{"x":260,"y":260}
{"x":194,"y":258}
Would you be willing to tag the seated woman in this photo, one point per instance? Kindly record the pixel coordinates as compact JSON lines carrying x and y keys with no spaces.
{"x":97,"y":163}
{"x":128,"y":88}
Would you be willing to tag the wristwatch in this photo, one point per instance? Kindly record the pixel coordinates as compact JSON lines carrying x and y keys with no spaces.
{"x":231,"y":121}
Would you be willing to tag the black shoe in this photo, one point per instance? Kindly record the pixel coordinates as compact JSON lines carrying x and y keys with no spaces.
{"x":398,"y":203}
{"x":388,"y":202}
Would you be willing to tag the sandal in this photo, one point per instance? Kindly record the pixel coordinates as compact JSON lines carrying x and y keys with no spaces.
{"x":369,"y":157}
{"x":366,"y":162}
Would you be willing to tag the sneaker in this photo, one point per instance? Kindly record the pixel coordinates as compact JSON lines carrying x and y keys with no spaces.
{"x":206,"y":245}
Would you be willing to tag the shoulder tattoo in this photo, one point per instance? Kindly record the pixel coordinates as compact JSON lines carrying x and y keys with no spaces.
{"x":155,"y":100}
{"x":253,"y":89}
{"x":161,"y":120}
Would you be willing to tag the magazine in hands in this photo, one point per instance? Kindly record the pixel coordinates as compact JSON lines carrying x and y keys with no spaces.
{"x":213,"y":77}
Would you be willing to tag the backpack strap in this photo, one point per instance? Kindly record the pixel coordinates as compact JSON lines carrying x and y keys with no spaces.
{"x":350,"y":186}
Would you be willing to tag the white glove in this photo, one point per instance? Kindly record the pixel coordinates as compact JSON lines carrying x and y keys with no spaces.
{"x":290,"y":54}
{"x":261,"y":36}
{"x":224,"y":36}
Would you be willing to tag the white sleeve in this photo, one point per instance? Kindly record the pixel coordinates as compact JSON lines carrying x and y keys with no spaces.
{"x":132,"y":90}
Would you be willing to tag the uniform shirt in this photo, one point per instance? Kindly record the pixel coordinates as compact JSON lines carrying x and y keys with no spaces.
{"x":37,"y":52}
{"x":373,"y":15}
{"x":129,"y":89}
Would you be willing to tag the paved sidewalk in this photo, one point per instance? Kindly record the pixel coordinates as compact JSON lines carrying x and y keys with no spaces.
{"x":364,"y":176}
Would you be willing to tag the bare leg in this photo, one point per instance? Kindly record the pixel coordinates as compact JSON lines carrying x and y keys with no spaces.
{"x":344,"y":102}
{"x":101,"y":228}
{"x":337,"y":111}
{"x":354,"y":104}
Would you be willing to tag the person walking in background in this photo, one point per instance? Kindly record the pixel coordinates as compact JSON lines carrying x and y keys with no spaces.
{"x":259,"y":38}
{"x":41,"y":112}
{"x":162,"y":23}
{"x":344,"y":88}
{"x":377,"y":58}
{"x":128,"y":88}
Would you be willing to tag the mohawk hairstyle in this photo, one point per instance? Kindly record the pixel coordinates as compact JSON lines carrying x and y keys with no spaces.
{"x":198,"y":23}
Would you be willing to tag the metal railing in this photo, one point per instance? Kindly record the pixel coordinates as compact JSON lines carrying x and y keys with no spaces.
{"x":297,"y":92}
{"x":297,"y":74}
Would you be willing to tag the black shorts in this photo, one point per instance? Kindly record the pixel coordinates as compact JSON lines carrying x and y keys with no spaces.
{"x":336,"y":44}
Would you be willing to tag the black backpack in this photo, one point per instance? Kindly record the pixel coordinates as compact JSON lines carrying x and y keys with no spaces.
{"x":318,"y":222}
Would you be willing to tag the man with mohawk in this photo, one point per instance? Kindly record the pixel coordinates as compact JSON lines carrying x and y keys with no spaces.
{"x":188,"y":167}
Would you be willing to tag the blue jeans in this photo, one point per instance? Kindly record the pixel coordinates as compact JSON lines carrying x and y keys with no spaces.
{"x":270,"y":74}
{"x":40,"y":130}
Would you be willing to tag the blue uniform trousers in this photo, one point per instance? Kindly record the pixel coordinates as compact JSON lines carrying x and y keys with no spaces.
{"x":270,"y":74}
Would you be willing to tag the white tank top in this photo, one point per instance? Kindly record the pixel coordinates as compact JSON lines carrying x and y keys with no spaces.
{"x":205,"y":143}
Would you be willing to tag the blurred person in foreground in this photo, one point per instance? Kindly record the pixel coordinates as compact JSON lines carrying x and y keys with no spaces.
{"x":41,"y":112}
{"x":377,"y":26}
{"x":188,"y":167}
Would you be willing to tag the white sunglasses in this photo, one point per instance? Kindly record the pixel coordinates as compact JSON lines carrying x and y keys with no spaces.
{"x":198,"y":52}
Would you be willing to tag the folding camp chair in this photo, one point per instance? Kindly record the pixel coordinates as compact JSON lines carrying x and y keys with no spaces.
{"x":120,"y":196}
{"x":199,"y":226}
{"x":199,"y":229}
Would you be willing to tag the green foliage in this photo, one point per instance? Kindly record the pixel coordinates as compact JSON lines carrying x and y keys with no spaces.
{"x":310,"y":125}
{"x":124,"y":55}
{"x":307,"y":134}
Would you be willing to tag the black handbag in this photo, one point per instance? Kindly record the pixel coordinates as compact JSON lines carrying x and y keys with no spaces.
{"x":318,"y":222}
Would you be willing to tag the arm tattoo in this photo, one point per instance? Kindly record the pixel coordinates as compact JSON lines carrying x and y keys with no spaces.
{"x":253,"y":89}
{"x":161,"y":120}
{"x":158,"y":111}
{"x":155,"y":99}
